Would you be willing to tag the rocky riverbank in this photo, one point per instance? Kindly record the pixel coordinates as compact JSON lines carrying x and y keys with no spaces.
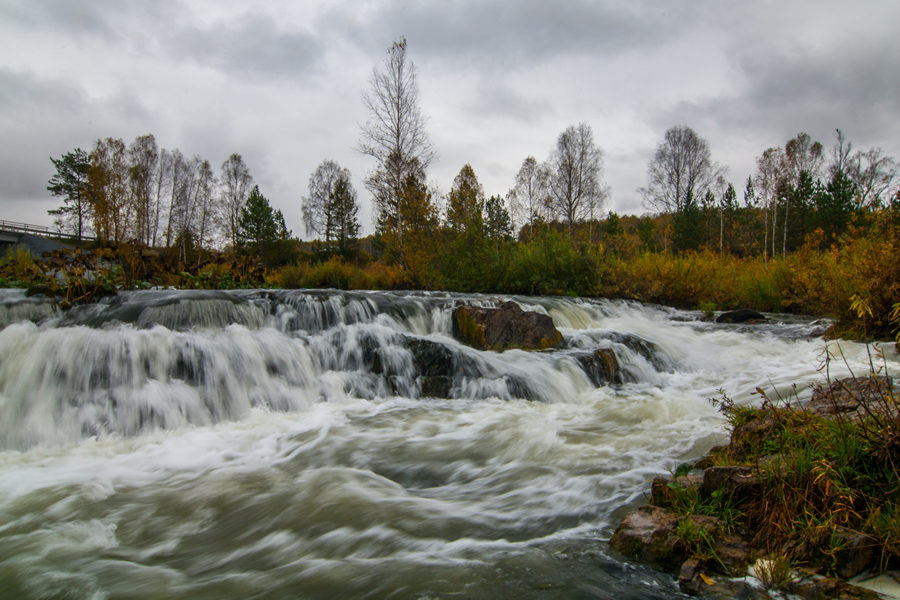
{"x":804,"y":497}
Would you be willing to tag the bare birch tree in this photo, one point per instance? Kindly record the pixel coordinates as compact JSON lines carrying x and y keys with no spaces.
{"x":236,"y":185}
{"x":394,"y":135}
{"x":681,"y":168}
{"x":530,"y":195}
{"x":576,"y":191}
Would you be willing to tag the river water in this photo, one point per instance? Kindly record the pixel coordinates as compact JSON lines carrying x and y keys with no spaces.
{"x":277,"y":444}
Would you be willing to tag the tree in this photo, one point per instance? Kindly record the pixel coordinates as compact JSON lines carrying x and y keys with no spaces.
{"x":768,"y":180}
{"x":257,"y":224}
{"x":465,"y":203}
{"x":330,"y":209}
{"x":236,"y":182}
{"x":411,"y":234}
{"x":343,"y":226}
{"x":394,"y":135}
{"x":70,"y":183}
{"x":529,"y":197}
{"x":108,"y":189}
{"x":801,"y":155}
{"x":576,"y":191}
{"x":206,"y":209}
{"x":682,"y":167}
{"x":143,"y":158}
{"x":497,"y":223}
{"x":873,"y":173}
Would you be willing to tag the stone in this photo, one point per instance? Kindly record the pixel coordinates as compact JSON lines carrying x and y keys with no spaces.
{"x":858,"y":552}
{"x":647,"y":534}
{"x":662,"y":494}
{"x":848,"y":395}
{"x":504,"y":328}
{"x":752,"y":434}
{"x":741,"y":315}
{"x":601,"y":366}
{"x":689,"y":581}
{"x":739,"y":482}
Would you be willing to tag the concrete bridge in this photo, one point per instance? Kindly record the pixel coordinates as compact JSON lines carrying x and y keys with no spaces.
{"x":36,"y":238}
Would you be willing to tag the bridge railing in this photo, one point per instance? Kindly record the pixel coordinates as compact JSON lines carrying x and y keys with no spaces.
{"x":41,"y":230}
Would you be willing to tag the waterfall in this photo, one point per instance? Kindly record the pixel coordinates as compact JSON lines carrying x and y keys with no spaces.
{"x":344,"y":444}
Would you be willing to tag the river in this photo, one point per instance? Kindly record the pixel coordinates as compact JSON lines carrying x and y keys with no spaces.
{"x":243,"y":444}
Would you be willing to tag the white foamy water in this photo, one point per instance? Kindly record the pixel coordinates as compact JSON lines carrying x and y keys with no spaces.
{"x":281,"y":444}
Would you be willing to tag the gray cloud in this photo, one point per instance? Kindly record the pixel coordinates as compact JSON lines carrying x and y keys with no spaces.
{"x":504,"y":34}
{"x":251,"y":45}
{"x":493,"y":98}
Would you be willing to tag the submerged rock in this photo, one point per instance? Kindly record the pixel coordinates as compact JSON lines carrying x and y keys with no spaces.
{"x":601,"y":366}
{"x":504,"y":328}
{"x":741,"y":315}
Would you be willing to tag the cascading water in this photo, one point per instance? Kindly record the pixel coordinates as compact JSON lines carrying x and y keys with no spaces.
{"x":276,"y":444}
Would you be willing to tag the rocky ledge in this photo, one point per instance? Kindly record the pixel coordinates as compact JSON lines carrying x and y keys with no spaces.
{"x":504,"y":328}
{"x":708,"y":555}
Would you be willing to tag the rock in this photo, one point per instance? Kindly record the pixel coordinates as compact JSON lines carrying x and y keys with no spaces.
{"x":431,"y":359}
{"x":858,"y":552}
{"x":436,"y":386}
{"x":662,"y":494}
{"x":504,"y":328}
{"x":651,"y":352}
{"x":647,"y":534}
{"x":739,"y":482}
{"x":689,"y":581}
{"x":850,"y":394}
{"x":601,"y":366}
{"x":734,"y":553}
{"x":741,"y":315}
{"x":831,"y":587}
{"x":751,"y":434}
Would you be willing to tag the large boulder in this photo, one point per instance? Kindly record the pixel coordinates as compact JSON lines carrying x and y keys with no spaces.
{"x":503,"y":328}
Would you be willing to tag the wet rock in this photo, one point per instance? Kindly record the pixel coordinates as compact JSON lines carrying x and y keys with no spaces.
{"x":831,"y":587}
{"x":651,"y":352}
{"x":601,"y":366}
{"x":647,"y":534}
{"x":741,"y":315}
{"x":689,"y":581}
{"x":504,"y":328}
{"x":435,"y":386}
{"x":431,"y":359}
{"x":739,"y":482}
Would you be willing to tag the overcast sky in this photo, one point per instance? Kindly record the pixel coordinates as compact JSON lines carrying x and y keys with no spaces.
{"x":281,"y":83}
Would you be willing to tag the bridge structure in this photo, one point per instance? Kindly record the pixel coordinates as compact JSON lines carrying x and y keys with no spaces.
{"x":37,"y":238}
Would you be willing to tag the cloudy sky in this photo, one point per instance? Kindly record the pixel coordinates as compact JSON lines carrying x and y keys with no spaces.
{"x":281,"y":83}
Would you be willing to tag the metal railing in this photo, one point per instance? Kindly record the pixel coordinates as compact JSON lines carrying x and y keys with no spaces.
{"x":41,"y":230}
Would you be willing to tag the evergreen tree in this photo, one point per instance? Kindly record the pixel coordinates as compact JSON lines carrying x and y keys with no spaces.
{"x":70,"y":182}
{"x":498,"y":225}
{"x":342,"y":208}
{"x":258,"y":223}
{"x":688,"y":225}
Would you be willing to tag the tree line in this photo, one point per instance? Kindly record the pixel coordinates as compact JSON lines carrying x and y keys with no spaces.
{"x":156,"y":197}
{"x":464,"y":239}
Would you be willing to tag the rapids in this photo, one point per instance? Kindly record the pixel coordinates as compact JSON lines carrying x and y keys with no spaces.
{"x":278,"y":444}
